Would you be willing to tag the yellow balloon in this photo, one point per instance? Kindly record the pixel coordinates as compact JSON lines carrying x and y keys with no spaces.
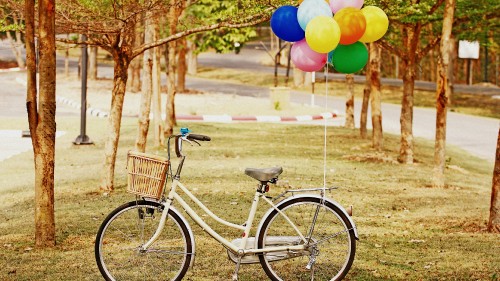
{"x":377,"y":24}
{"x":322,"y":34}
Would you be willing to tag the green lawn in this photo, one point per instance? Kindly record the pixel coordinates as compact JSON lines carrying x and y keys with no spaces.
{"x":408,"y":231}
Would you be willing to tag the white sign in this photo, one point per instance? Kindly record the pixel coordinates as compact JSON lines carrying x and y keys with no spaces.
{"x":468,"y":50}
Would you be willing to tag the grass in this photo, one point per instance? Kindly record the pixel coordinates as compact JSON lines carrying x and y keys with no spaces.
{"x":474,"y":104}
{"x":408,"y":231}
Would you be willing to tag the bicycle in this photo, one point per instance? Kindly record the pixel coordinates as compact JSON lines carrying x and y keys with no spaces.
{"x":303,"y":236}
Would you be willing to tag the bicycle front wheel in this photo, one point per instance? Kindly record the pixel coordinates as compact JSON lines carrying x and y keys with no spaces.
{"x":119,"y":239}
{"x":329,"y":241}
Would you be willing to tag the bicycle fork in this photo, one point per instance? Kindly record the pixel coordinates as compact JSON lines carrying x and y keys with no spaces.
{"x":161,"y":225}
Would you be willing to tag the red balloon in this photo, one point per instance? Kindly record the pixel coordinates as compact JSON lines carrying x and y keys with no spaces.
{"x":352,"y":24}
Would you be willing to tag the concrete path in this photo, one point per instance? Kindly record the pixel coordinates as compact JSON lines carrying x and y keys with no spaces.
{"x":476,"y":135}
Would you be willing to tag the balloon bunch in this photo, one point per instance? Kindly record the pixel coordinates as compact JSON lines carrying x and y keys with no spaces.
{"x":331,"y":31}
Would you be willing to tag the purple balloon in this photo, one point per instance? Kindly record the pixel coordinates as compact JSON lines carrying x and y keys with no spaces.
{"x":306,"y":59}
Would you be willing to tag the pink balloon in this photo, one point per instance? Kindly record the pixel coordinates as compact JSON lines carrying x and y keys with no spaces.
{"x":336,"y":5}
{"x":306,"y":59}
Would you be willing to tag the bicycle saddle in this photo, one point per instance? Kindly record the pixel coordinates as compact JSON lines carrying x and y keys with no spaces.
{"x":264,"y":175}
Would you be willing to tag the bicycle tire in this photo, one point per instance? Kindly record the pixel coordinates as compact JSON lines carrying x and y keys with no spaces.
{"x":333,"y":239}
{"x":130,"y":226}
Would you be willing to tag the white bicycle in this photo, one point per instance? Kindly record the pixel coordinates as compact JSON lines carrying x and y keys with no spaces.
{"x":303,"y":236}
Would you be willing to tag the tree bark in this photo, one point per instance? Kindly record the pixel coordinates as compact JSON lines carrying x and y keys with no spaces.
{"x":135,"y":74}
{"x":181,"y":66}
{"x":135,"y":64}
{"x":147,"y":85}
{"x":42,"y":122}
{"x":16,"y":48}
{"x":93,"y":62}
{"x":192,"y":58}
{"x":114,"y":120}
{"x":349,"y":104}
{"x":170,"y":121}
{"x":409,"y":63}
{"x":159,"y":138}
{"x":444,"y":91}
{"x":375,"y":62}
{"x":174,"y":13}
{"x":494,"y":221}
{"x":366,"y":99}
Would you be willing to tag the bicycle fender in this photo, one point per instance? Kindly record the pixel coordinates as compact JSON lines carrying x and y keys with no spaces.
{"x":191,"y":234}
{"x":329,"y":200}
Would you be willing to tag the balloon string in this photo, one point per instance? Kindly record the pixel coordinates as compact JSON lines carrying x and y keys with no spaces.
{"x":325,"y":135}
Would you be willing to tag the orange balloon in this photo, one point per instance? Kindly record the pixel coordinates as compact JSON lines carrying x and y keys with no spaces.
{"x":352,"y":24}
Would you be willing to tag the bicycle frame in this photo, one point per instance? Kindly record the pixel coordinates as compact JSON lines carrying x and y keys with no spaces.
{"x":241,"y":250}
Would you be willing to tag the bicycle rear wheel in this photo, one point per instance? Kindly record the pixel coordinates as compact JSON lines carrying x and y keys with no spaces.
{"x":330,"y":242}
{"x":127,"y":228}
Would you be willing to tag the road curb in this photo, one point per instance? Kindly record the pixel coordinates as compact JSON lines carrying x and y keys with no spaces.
{"x":214,"y":118}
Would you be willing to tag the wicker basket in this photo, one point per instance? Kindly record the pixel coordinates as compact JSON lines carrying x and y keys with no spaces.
{"x":146,"y":174}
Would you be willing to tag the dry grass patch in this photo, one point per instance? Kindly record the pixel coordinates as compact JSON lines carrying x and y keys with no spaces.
{"x":407,"y":231}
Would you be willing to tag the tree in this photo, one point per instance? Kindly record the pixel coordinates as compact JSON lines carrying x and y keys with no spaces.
{"x":349,"y":104}
{"x":494,"y":221}
{"x":147,"y":85}
{"x":443,"y":92}
{"x":366,"y":98}
{"x":408,"y":22}
{"x":42,"y":113}
{"x":375,"y":96}
{"x":11,"y":24}
{"x":113,"y":29}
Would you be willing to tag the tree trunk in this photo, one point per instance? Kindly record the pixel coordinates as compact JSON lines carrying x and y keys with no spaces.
{"x":375,"y":62}
{"x":298,"y":77}
{"x":16,"y":48}
{"x":192,"y":58}
{"x":443,"y":93}
{"x":409,"y":62}
{"x":93,"y":62}
{"x":349,"y":104}
{"x":159,"y":138}
{"x":147,"y":86}
{"x":494,"y":221}
{"x":181,"y":66}
{"x":364,"y":106}
{"x":42,"y":123}
{"x":170,"y":121}
{"x":135,"y":64}
{"x":114,"y":120}
{"x":135,"y":74}
{"x":173,"y":18}
{"x":66,"y":60}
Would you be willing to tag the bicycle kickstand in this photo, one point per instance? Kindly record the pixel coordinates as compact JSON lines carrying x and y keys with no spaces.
{"x":235,"y":274}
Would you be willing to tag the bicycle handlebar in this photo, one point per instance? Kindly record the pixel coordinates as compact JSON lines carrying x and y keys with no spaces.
{"x":187,"y":137}
{"x":197,"y":137}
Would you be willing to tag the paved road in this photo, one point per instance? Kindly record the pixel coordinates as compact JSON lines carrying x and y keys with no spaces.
{"x":252,"y":56}
{"x":476,"y":135}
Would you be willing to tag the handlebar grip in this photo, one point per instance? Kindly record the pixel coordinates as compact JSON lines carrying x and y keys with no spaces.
{"x":178,"y":148}
{"x":198,"y":137}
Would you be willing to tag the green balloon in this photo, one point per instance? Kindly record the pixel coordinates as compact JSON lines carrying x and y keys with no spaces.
{"x":350,"y":58}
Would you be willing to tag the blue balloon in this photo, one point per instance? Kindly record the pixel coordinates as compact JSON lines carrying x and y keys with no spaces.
{"x":310,"y":9}
{"x":285,"y":25}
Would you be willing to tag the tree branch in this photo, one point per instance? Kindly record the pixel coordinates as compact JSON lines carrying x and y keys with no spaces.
{"x":389,"y":47}
{"x":431,"y":45}
{"x":265,"y":16}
